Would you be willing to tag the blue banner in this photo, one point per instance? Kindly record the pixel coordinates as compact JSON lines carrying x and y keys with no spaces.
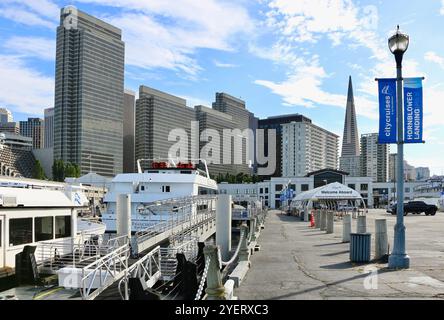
{"x":387,"y":111}
{"x":413,"y":111}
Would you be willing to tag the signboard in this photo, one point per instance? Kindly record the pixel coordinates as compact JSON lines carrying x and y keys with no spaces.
{"x":413,"y":110}
{"x":387,"y":111}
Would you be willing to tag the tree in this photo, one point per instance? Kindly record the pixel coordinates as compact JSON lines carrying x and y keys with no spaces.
{"x":58,"y":170}
{"x":72,"y":170}
{"x":38,"y":172}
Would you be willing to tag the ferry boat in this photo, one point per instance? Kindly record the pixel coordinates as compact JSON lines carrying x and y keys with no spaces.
{"x":33,"y":213}
{"x":164,"y":179}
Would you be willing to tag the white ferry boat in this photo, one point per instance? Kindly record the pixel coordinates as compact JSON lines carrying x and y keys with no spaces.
{"x":165,"y":179}
{"x":33,"y":213}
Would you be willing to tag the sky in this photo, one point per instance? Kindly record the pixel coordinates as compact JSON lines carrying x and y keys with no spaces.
{"x":280,"y":56}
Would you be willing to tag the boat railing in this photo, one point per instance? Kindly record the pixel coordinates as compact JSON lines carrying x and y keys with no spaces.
{"x":146,"y":268}
{"x":100,"y":274}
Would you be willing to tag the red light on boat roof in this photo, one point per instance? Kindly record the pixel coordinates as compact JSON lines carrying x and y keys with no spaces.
{"x":185,"y":165}
{"x":164,"y":165}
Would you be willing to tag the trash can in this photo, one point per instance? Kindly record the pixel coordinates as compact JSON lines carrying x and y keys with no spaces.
{"x":360,"y":247}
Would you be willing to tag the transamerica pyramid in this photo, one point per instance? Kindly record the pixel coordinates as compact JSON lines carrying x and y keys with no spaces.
{"x":350,"y":140}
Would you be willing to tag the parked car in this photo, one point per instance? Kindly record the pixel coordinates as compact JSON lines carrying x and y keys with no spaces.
{"x":415,"y":207}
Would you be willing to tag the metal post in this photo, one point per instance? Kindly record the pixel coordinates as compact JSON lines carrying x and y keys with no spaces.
{"x":215,"y":289}
{"x":399,"y":257}
{"x":362,"y":224}
{"x":381,"y":243}
{"x":223,"y":224}
{"x":346,"y":228}
{"x":330,"y":221}
{"x":317,"y":219}
{"x":123,"y":210}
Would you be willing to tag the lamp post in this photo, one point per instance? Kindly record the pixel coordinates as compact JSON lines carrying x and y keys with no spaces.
{"x":398,"y":44}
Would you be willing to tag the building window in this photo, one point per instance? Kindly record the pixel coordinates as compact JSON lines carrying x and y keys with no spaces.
{"x":407,"y":190}
{"x":62,"y":227}
{"x":278,"y":187}
{"x":293,"y":187}
{"x":43,"y":229}
{"x":364,"y":187}
{"x":266,"y":190}
{"x":20,"y":231}
{"x":304,"y":187}
{"x":261,"y":190}
{"x":352,"y":186}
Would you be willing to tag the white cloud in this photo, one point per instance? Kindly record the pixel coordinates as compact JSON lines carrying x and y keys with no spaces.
{"x":44,"y":8}
{"x":167,"y":35}
{"x":23,"y":89}
{"x":225,"y":65}
{"x":434,"y":57}
{"x":25,"y":17}
{"x":32,"y":46}
{"x":442,"y":8}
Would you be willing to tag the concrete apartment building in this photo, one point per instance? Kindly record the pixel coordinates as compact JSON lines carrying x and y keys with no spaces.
{"x":307,"y":148}
{"x":129,"y":122}
{"x":157,"y":113}
{"x":89,"y":87}
{"x":374,"y":158}
{"x":34,"y":128}
{"x":5,"y":115}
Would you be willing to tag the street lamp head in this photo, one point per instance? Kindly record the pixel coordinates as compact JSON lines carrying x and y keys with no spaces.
{"x":399,"y":42}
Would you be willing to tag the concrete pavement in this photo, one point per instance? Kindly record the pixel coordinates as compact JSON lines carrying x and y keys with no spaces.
{"x":298,"y":262}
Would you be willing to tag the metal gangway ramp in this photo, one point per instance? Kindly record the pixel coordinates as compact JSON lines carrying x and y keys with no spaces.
{"x":194,"y":216}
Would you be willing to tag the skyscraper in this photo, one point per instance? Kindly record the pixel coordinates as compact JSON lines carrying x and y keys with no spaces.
{"x":129,"y":119}
{"x":5,"y":115}
{"x":33,"y":128}
{"x":350,"y":160}
{"x":374,"y":158}
{"x":49,"y":128}
{"x":307,"y":148}
{"x":157,"y":113}
{"x":235,"y":107}
{"x":89,"y":87}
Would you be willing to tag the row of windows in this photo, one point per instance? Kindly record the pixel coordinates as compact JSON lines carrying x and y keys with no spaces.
{"x":21,"y":230}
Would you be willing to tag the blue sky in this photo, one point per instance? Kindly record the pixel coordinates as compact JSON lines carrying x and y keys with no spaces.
{"x":281,"y":56}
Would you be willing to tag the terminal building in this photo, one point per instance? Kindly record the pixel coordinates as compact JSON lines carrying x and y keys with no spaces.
{"x":375,"y":194}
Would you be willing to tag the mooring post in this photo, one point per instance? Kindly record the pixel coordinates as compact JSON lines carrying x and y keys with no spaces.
{"x":346,"y":228}
{"x":317,"y":218}
{"x":215,"y":289}
{"x":223,"y":224}
{"x":244,"y":252}
{"x":330,"y":221}
{"x":323,"y":220}
{"x":381,"y":242}
{"x":362,"y":224}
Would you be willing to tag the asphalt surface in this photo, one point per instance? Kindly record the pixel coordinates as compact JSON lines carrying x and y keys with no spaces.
{"x":299,"y":262}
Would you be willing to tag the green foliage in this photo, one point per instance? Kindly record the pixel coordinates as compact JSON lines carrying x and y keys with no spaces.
{"x":239,"y":178}
{"x":37,"y":172}
{"x":60,"y":170}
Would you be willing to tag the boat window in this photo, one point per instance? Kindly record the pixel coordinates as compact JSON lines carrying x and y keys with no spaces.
{"x":142,"y":188}
{"x":166,"y":189}
{"x":62,"y":227}
{"x":20,"y":231}
{"x":43,"y":228}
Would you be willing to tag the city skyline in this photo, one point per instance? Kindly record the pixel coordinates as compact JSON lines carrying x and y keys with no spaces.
{"x":283,"y":69}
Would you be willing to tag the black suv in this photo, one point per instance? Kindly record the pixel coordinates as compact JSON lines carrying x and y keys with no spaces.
{"x":415,"y":207}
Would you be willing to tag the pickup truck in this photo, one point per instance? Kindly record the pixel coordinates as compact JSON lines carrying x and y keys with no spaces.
{"x":415,"y":207}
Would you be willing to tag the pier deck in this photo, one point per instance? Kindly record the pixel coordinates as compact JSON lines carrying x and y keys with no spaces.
{"x":298,"y":262}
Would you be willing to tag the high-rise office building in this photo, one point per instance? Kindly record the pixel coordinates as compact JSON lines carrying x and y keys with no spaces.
{"x":10,"y":127}
{"x":129,"y":113}
{"x":350,"y":155}
{"x":33,"y":128}
{"x":213,"y":121}
{"x":307,"y":148}
{"x":275,"y":123}
{"x":235,"y":107}
{"x":157,"y":113}
{"x":422,"y":173}
{"x":374,"y":158}
{"x":5,"y":115}
{"x":49,"y":128}
{"x":89,"y":87}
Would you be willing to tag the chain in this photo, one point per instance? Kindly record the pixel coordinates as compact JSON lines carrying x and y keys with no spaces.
{"x":233,"y":258}
{"x":202,"y":280}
